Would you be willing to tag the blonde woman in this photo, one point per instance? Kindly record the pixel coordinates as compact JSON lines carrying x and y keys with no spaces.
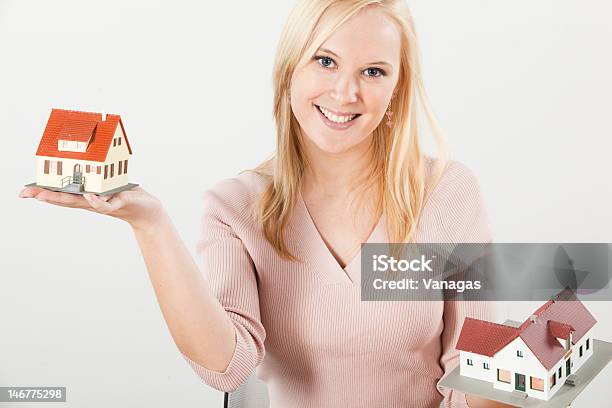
{"x":279,"y":276}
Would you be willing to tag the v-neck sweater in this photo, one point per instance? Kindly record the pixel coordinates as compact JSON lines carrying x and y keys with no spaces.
{"x":303,"y":326}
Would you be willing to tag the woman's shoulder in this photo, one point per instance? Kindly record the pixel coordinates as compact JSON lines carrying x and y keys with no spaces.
{"x":451,"y":180}
{"x":454,"y":208}
{"x":237,"y":193}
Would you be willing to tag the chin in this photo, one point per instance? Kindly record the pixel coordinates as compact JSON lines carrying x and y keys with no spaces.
{"x":339,"y":143}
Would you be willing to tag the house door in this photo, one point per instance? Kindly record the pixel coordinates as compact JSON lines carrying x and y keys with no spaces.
{"x":76,"y":174}
{"x":519,"y":382}
{"x":568,"y":367}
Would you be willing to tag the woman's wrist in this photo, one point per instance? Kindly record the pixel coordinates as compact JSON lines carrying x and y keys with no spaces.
{"x":153,"y":224}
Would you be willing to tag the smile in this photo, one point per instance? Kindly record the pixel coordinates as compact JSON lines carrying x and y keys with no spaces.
{"x":336,"y":120}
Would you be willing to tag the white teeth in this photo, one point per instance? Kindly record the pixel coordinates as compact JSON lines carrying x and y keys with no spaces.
{"x":336,"y":118}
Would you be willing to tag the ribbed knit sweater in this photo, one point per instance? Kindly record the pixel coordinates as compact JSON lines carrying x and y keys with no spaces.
{"x":303,"y":326}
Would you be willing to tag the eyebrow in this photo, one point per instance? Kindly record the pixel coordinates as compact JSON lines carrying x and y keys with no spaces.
{"x":369,"y":63}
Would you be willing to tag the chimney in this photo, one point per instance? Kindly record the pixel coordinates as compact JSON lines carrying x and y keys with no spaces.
{"x":103,"y":116}
{"x":533,"y":318}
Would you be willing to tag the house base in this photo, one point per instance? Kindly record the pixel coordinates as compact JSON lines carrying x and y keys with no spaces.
{"x":602,"y":355}
{"x":69,"y":190}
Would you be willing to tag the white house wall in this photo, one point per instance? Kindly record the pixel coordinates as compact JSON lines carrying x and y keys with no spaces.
{"x":528,"y":365}
{"x":114,"y":155}
{"x":578,"y":361}
{"x":94,"y":183}
{"x":476,"y":370}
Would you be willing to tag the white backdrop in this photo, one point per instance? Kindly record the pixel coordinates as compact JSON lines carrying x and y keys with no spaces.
{"x":521,"y":88}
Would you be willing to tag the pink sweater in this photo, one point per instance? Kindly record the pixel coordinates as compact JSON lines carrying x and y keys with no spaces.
{"x":304,"y":327}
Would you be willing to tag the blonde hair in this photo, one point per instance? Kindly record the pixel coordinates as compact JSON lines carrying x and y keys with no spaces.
{"x":396,"y":151}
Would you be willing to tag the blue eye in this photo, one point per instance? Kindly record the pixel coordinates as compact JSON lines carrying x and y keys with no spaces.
{"x":325,"y":62}
{"x":374,"y":72}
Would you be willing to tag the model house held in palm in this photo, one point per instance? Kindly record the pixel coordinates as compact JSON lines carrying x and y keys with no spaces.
{"x":83,"y":152}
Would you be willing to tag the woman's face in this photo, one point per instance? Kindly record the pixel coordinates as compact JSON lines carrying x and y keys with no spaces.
{"x":341,"y":95}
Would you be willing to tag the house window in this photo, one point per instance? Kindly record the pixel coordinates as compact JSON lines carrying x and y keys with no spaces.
{"x":112,"y":169}
{"x":105,"y":171}
{"x":87,"y":168}
{"x":580,"y":352}
{"x":588,"y":340}
{"x":560,"y":372}
{"x":519,"y":353}
{"x":46,"y":168}
{"x":114,"y":142}
{"x":119,"y":142}
{"x":553,"y":380}
{"x":537,"y":384}
{"x":98,"y":170}
{"x":120,"y":167}
{"x":485,"y":366}
{"x":504,"y":376}
{"x":125,"y":166}
{"x":469,"y":362}
{"x":59,"y":168}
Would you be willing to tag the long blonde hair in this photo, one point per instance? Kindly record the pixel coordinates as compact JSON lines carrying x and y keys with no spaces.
{"x":396,"y":151}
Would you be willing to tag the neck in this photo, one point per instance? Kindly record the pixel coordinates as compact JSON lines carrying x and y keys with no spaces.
{"x":334,"y":174}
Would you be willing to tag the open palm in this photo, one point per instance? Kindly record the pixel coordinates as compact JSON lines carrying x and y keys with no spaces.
{"x":135,"y":206}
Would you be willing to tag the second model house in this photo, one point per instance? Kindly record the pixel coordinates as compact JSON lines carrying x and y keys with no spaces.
{"x":533,"y":357}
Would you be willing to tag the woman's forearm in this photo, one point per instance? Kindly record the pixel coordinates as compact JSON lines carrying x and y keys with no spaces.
{"x":199,"y":325}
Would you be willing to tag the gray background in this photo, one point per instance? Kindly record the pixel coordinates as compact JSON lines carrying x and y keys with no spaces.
{"x":521,"y":88}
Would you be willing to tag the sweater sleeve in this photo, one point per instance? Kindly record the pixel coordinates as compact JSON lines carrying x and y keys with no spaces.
{"x":462,"y":215}
{"x":231,"y":274}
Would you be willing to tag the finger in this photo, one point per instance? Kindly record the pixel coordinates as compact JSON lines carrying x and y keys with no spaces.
{"x":30,"y":192}
{"x":62,"y":199}
{"x":101,"y":205}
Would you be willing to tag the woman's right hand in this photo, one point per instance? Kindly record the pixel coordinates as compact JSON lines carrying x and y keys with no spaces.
{"x":135,"y":206}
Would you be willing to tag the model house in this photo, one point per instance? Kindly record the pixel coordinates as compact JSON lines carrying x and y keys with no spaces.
{"x":83,"y":152}
{"x":534,"y":357}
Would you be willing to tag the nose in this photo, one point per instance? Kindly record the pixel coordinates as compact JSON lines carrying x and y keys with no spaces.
{"x":345,"y":90}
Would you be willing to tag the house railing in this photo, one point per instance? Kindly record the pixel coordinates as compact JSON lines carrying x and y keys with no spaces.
{"x":68,"y":180}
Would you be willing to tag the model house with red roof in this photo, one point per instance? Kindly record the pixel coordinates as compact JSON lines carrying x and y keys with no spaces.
{"x":83,"y":152}
{"x":534,"y":357}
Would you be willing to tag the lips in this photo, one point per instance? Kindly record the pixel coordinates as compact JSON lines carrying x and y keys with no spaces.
{"x":336,"y":120}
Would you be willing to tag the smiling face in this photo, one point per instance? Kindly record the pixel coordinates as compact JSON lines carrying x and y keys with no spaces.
{"x":341,"y":95}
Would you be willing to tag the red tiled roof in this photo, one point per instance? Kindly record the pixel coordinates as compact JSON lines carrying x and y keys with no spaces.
{"x":544,"y":346}
{"x":82,"y":127}
{"x":568,"y":312}
{"x":485,"y":338}
{"x":557,"y":316}
{"x":78,"y":130}
{"x":560,"y":330}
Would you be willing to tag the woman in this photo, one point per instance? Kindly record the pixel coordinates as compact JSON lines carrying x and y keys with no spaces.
{"x":280,"y":244}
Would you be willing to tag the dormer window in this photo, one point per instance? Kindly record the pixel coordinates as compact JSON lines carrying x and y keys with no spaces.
{"x":71,"y":146}
{"x":75,"y":136}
